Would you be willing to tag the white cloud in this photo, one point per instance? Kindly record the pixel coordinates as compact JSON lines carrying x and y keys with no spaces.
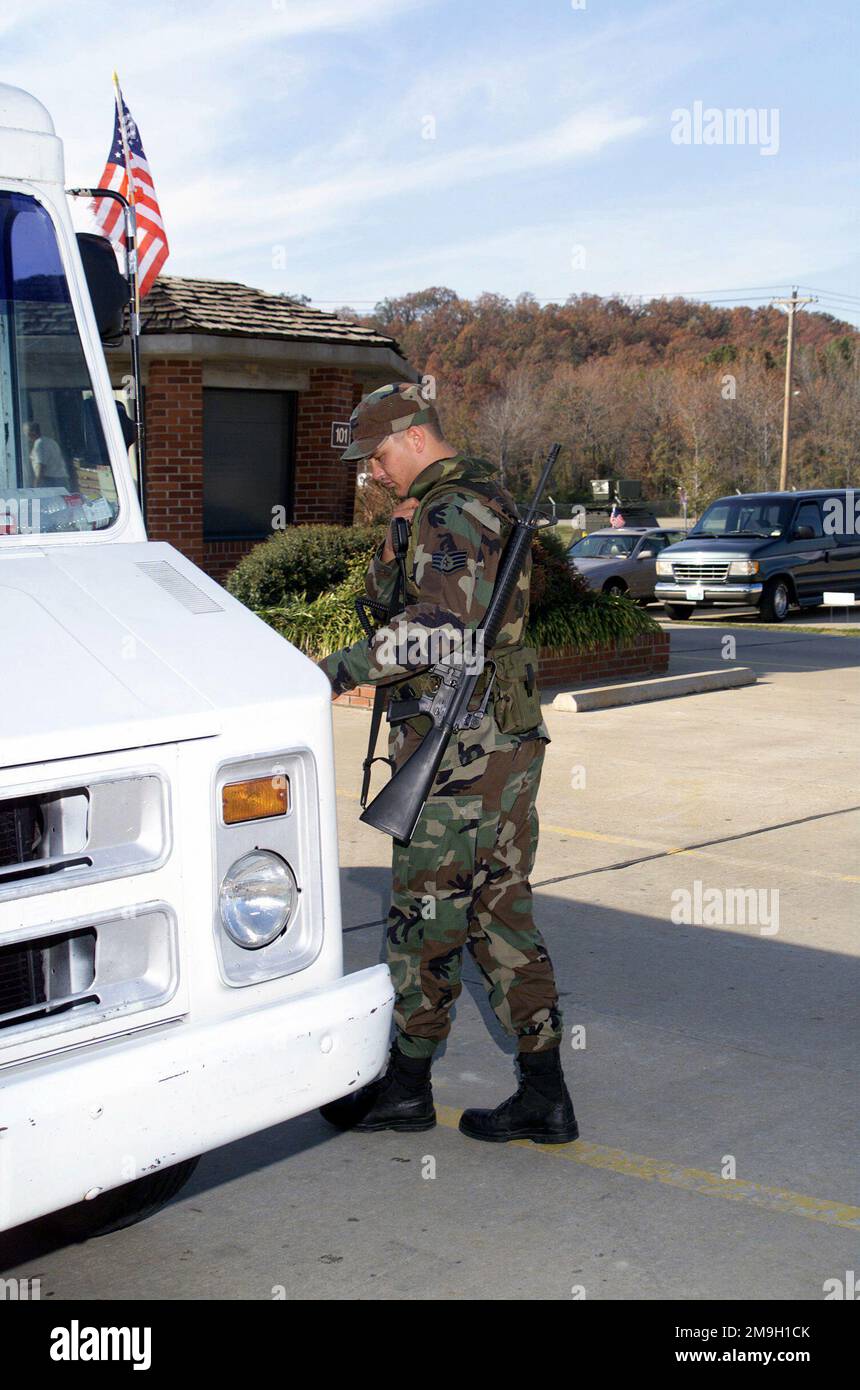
{"x":581,"y":135}
{"x":163,"y":31}
{"x":286,"y":211}
{"x":191,"y":72}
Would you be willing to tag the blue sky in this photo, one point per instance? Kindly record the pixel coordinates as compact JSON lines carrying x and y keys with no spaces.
{"x":350,"y":150}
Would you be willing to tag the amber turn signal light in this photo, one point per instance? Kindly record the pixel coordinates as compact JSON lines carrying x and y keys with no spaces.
{"x":258,"y":799}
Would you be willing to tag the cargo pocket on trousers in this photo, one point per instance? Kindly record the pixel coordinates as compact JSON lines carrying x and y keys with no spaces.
{"x":439,"y":864}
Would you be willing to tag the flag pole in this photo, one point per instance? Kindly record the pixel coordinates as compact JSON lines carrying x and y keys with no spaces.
{"x":131,"y":189}
{"x":134,"y":288}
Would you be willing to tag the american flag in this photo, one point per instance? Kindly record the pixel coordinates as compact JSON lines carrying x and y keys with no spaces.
{"x":152,"y":248}
{"x":615,"y":517}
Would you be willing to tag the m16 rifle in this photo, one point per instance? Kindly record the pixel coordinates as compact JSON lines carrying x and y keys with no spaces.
{"x":398,"y":806}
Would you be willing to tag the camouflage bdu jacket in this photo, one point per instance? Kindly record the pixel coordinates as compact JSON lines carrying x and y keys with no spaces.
{"x":458,"y":537}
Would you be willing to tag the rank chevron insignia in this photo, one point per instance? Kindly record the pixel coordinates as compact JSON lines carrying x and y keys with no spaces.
{"x":448,"y":560}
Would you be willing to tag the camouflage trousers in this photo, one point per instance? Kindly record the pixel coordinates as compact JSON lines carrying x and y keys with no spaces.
{"x":464,"y":881}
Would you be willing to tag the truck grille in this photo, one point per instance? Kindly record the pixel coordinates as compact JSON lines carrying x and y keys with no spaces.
{"x":20,"y":832}
{"x":46,"y":976}
{"x":22,"y":980}
{"x":53,"y":838}
{"x":699,"y":574}
{"x":27,"y":827}
{"x":107,"y":966}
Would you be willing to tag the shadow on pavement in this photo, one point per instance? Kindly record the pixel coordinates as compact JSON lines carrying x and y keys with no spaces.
{"x":714,"y":986}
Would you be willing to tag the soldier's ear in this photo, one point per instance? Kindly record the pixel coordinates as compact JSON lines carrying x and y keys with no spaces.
{"x":417,"y":438}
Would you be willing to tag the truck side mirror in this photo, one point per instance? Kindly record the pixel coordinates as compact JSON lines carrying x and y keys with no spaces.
{"x":646,"y":554}
{"x":107,"y":285}
{"x":802,"y":533}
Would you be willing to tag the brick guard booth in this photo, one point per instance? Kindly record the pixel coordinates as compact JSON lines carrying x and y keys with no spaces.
{"x":241,"y":389}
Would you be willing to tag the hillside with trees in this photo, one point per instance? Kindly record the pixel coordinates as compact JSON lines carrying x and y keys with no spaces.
{"x":674,"y":392}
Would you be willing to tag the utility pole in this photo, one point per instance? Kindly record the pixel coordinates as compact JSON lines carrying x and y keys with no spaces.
{"x":791,"y":305}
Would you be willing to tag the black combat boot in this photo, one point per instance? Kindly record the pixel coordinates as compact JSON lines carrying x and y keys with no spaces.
{"x":399,"y":1099}
{"x":540,"y":1110}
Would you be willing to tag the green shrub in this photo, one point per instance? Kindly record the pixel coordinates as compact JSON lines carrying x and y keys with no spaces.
{"x":593,"y":620}
{"x":555,"y":583}
{"x":308,"y":560}
{"x":328,"y":622}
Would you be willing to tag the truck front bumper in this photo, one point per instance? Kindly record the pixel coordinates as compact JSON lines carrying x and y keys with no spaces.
{"x":711,"y":593}
{"x":74,"y":1125}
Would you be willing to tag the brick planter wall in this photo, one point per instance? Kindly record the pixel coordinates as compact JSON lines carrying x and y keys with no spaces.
{"x":646,"y":655}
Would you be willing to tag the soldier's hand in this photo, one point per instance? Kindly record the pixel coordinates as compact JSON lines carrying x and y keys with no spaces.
{"x":406,"y":509}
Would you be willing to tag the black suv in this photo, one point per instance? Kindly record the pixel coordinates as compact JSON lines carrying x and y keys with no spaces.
{"x":768,"y":550}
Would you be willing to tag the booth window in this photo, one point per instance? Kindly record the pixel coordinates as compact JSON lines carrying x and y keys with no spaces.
{"x":248,"y":461}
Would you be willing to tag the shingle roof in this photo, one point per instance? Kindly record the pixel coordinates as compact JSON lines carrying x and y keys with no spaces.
{"x":179,"y":305}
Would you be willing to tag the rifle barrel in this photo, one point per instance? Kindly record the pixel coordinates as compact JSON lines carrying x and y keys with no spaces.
{"x":544,"y":479}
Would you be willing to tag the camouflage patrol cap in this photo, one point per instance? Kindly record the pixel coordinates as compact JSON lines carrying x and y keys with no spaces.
{"x":386,"y":411}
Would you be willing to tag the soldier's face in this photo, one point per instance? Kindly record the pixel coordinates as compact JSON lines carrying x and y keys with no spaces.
{"x":394,"y":464}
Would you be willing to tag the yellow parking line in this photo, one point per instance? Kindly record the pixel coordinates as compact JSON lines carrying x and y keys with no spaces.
{"x":626,"y":841}
{"x":779,"y":1199}
{"x":668,"y":850}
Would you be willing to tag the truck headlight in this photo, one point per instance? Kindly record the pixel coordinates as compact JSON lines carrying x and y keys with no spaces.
{"x":256,"y":899}
{"x":743,"y":567}
{"x":665,"y":567}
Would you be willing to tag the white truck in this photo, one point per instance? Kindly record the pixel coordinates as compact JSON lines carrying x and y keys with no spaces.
{"x":170,"y":937}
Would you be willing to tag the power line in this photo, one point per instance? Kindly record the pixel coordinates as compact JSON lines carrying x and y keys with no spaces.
{"x":560,"y":299}
{"x":746,"y":299}
{"x":845,"y":306}
{"x":838,"y":311}
{"x":834,"y":294}
{"x":727,"y":289}
{"x":836,"y":308}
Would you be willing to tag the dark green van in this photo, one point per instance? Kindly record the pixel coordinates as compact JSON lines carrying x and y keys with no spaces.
{"x":767,"y":550}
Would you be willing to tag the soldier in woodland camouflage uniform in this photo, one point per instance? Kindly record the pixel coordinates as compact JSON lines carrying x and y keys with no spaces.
{"x":464,"y":878}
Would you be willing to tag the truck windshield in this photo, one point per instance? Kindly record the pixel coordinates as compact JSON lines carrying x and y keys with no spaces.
{"x":744,"y":516}
{"x":55,"y":473}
